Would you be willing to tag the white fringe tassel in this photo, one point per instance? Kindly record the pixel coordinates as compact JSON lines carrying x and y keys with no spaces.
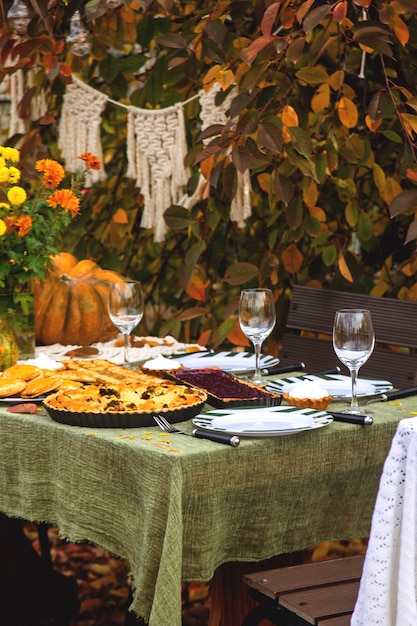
{"x":240,"y":209}
{"x":156,"y":148}
{"x":19,"y":82}
{"x":79,"y":128}
{"x":210,"y":114}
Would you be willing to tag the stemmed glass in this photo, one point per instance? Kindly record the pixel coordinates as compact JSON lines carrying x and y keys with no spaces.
{"x":257,"y":319}
{"x":353,"y":342}
{"x":126,"y":309}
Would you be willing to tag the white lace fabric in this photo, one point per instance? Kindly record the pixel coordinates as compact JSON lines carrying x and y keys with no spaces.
{"x":388,"y":589}
{"x":113,"y":350}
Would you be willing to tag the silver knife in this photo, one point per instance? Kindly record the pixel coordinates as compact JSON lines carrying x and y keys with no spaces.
{"x":274,"y":384}
{"x":331,"y":370}
{"x":268,"y":371}
{"x":394,"y":395}
{"x":180,"y":355}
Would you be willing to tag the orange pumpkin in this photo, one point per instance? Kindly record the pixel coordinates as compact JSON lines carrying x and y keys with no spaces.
{"x":71,"y":304}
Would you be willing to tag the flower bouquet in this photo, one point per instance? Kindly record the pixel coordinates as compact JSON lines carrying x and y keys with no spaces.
{"x":32,"y":222}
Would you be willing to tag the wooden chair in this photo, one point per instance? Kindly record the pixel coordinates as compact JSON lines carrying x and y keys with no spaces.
{"x":31,"y":590}
{"x":309,"y":326}
{"x":322,"y":593}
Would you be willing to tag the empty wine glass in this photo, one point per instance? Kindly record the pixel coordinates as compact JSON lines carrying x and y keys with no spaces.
{"x":353,"y":342}
{"x":126,"y":309}
{"x":257,"y":319}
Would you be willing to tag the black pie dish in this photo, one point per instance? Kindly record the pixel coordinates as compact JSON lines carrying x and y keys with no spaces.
{"x":121,"y":420}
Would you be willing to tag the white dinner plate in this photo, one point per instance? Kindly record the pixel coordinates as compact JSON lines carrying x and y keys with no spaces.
{"x":225,"y":360}
{"x":16,"y":400}
{"x":262,"y":422}
{"x":339,"y":386}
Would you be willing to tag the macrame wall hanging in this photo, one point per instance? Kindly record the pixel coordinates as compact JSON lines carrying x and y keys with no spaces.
{"x":19,"y":83}
{"x":156,"y":149}
{"x":79,"y":128}
{"x":156,"y":146}
{"x":211,"y":114}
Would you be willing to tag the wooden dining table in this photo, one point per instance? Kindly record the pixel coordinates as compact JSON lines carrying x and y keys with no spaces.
{"x":177,"y":508}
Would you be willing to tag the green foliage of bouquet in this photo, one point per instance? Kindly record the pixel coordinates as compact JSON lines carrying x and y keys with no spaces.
{"x":32,"y":222}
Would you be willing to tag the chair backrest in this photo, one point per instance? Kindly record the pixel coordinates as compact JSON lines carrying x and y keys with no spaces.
{"x":309,"y":327}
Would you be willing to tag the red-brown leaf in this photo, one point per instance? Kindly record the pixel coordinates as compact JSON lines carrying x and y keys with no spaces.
{"x":269,"y":17}
{"x":403,"y":202}
{"x":23,"y":408}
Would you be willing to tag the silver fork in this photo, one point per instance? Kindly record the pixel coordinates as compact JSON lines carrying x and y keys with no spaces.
{"x":167,"y":427}
{"x":164,"y":425}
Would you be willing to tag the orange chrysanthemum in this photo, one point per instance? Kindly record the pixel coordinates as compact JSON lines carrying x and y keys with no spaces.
{"x":92,"y":162}
{"x":23,"y":225}
{"x":53,"y":172}
{"x":66,"y":199}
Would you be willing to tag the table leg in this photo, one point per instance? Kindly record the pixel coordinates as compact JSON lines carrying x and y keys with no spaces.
{"x":29,"y":587}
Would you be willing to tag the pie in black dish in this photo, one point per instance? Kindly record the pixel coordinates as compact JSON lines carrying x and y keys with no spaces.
{"x":124,"y":405}
{"x":225,"y":390}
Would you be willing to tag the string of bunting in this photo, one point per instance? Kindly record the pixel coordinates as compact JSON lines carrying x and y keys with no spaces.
{"x":155,"y":151}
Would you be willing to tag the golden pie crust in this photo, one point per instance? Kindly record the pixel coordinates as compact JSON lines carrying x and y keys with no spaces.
{"x":41,"y":386}
{"x":146,"y":397}
{"x":21,"y":372}
{"x":10,"y":387}
{"x":99,"y":386}
{"x":320,"y":404}
{"x":30,"y":381}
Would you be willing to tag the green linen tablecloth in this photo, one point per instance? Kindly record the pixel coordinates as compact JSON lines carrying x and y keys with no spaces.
{"x":177,"y":507}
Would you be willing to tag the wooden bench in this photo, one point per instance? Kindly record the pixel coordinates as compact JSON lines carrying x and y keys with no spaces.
{"x":309,"y":327}
{"x":322,"y":593}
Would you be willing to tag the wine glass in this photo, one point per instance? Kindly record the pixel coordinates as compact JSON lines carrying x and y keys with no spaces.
{"x":125,"y":309}
{"x":257,"y":319}
{"x":353,"y":342}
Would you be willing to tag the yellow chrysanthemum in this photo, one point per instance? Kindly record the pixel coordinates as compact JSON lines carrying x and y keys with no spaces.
{"x":4,"y":175}
{"x":3,"y":227}
{"x":53,"y":172}
{"x":14,"y":174}
{"x":16,"y":195}
{"x":10,"y":154}
{"x":2,"y":162}
{"x":4,"y":205}
{"x":66,"y":199}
